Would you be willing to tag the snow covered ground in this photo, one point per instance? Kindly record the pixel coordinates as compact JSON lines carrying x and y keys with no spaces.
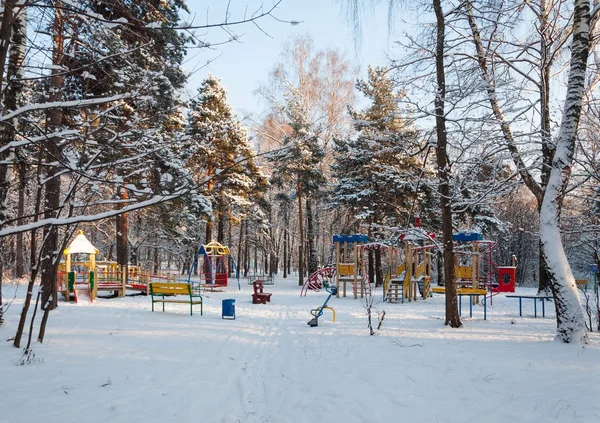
{"x":116,"y":361}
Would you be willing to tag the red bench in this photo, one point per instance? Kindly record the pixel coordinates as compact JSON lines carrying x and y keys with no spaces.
{"x":260,"y":297}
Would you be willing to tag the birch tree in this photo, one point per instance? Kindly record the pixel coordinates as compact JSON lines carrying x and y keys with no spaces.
{"x":321,"y":85}
{"x":569,"y":314}
{"x":556,"y":155}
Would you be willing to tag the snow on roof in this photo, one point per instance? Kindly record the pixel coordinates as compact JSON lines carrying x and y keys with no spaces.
{"x":81,"y":245}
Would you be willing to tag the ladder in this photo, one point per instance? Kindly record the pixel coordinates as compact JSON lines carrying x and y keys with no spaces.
{"x":424,"y":284}
{"x":395,"y":289}
{"x":356,"y":286}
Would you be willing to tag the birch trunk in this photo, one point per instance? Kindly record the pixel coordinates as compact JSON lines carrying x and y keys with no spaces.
{"x":569,"y":313}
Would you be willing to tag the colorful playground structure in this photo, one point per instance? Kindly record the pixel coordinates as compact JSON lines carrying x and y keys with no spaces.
{"x":71,"y":283}
{"x":81,"y":275}
{"x":349,"y":269}
{"x":409,"y":270}
{"x":212,"y":261}
{"x":474,"y":268}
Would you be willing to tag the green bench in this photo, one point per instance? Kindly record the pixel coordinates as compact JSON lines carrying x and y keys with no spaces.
{"x":165,"y":293}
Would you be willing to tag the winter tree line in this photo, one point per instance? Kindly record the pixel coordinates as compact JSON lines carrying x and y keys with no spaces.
{"x":485,"y":119}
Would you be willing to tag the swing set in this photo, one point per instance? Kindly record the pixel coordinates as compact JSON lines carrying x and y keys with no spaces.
{"x":212,"y":261}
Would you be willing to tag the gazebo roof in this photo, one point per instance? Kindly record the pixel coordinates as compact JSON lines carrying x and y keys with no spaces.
{"x":81,"y":245}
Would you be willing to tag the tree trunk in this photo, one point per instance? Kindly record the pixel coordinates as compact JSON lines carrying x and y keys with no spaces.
{"x":208,"y":236}
{"x":229,"y":257}
{"x":12,"y":101}
{"x":246,"y":251}
{"x":6,"y":129}
{"x":569,"y":313}
{"x":544,"y":285}
{"x":255,"y":268}
{"x":33,"y":257}
{"x":378,"y":268}
{"x":452,"y":316}
{"x":155,"y":259}
{"x":301,"y":228}
{"x":285,"y":250}
{"x":220,"y":215}
{"x":50,"y":252}
{"x":290,"y":243}
{"x":20,"y":258}
{"x":440,"y":269}
{"x":240,"y":243}
{"x":122,"y":231}
{"x":310,"y":235}
{"x":371,"y":261}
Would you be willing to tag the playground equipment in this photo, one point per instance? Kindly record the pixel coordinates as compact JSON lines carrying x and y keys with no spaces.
{"x":318,"y":312}
{"x":321,"y":278}
{"x":347,"y":269}
{"x":113,"y":277}
{"x":213,"y":266}
{"x":91,"y":276}
{"x":412,"y":275}
{"x":74,"y":283}
{"x":475,"y":270}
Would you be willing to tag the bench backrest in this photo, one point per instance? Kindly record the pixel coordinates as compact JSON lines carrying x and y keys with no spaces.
{"x":258,"y":287}
{"x":170,"y":288}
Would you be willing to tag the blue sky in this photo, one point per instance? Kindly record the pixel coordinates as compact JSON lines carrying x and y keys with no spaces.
{"x":243,"y":65}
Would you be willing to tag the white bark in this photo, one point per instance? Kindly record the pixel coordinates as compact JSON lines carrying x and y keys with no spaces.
{"x":569,"y":313}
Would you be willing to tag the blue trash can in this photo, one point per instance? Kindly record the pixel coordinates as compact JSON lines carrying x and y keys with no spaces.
{"x":228,"y":309}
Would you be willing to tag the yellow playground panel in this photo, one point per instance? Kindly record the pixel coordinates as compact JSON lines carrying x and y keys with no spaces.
{"x":347,"y":265}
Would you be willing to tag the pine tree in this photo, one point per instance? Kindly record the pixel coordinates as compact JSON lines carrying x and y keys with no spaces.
{"x":221,"y":156}
{"x":151,"y":74}
{"x":379,"y":176}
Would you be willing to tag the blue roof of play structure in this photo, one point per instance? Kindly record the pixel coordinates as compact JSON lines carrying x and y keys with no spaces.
{"x":467,"y":236}
{"x":350,"y":238}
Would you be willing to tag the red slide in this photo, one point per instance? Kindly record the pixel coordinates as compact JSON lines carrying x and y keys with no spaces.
{"x":87,"y":294}
{"x":315,"y":281}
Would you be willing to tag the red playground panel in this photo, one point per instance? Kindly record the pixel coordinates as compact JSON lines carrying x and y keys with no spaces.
{"x":507,"y":276}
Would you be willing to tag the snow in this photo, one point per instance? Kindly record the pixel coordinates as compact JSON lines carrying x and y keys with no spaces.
{"x":115,"y":360}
